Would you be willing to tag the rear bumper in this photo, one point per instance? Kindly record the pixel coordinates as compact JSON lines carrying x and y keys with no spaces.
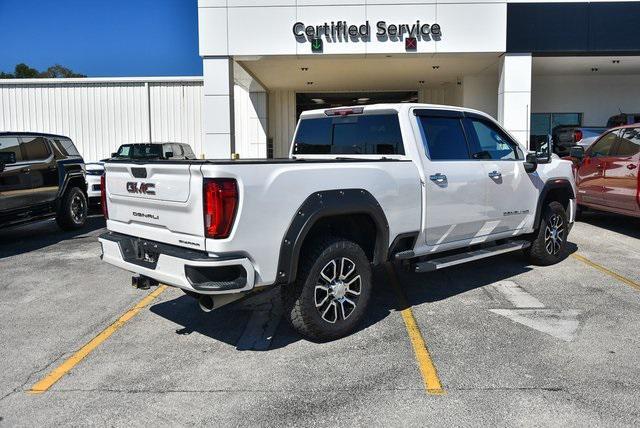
{"x":179,"y":267}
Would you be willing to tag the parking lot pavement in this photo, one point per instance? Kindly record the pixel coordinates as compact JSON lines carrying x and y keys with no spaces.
{"x":511,"y":343}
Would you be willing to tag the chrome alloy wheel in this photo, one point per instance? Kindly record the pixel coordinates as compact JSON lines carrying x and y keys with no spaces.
{"x":338,"y":289}
{"x":554,"y":235}
{"x":77,"y":208}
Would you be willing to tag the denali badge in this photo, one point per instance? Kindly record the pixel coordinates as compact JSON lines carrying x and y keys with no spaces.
{"x":144,"y":188}
{"x":151,"y":216}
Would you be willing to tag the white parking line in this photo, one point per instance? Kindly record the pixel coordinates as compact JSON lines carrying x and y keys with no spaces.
{"x":531,"y":312}
{"x":517,"y":296}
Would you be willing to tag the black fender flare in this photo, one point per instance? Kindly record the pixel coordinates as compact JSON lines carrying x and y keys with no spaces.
{"x":68,"y":171}
{"x":323,"y":204}
{"x":557,"y":183}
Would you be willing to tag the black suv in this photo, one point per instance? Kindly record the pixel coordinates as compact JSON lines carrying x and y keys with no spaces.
{"x":41,"y":176}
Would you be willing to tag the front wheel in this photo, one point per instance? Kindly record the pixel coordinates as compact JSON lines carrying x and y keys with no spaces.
{"x":330,"y":296}
{"x":73,"y":210}
{"x":550,"y":243}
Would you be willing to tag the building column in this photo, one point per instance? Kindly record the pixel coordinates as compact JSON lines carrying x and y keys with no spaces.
{"x":514,"y":95}
{"x":218,"y":141}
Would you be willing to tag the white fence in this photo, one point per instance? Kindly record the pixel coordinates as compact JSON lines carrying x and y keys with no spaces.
{"x":99,"y":114}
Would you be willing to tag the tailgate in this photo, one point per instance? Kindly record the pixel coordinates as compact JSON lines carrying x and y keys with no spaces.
{"x":158,"y":201}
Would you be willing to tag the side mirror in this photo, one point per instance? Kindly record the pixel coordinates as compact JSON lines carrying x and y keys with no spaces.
{"x":577,"y":152}
{"x":531,"y":163}
{"x":113,"y":155}
{"x":543,"y":152}
{"x":168,"y":155}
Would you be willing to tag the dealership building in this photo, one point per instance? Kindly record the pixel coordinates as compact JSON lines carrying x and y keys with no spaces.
{"x":530,"y":65}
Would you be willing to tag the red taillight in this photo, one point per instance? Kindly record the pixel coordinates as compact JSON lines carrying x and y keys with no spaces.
{"x":103,"y":196}
{"x":344,"y":111}
{"x":577,"y":135}
{"x":220,"y":204}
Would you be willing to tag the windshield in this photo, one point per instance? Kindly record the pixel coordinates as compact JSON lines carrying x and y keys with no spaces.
{"x":140,"y":151}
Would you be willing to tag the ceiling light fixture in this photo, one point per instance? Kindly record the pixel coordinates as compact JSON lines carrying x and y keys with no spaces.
{"x":594,"y":69}
{"x":616,"y":61}
{"x":435,"y":67}
{"x":304,"y":68}
{"x":309,"y":83}
{"x":317,"y":100}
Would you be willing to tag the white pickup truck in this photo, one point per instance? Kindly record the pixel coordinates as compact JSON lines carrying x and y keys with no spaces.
{"x":426,"y":185}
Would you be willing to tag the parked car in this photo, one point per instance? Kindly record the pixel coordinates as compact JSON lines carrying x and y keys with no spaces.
{"x":623,"y":119}
{"x":95,"y":170}
{"x":565,"y":137}
{"x":607,"y":173}
{"x":429,"y":186}
{"x":154,"y":151}
{"x":41,"y":176}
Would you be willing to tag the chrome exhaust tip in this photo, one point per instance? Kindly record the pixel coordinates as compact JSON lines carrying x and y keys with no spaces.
{"x":206,"y":303}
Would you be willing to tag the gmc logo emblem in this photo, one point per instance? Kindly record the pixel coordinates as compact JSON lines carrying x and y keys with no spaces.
{"x":143,"y":188}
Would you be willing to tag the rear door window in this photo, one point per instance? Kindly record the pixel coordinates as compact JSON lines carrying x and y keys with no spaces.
{"x":34,"y":149}
{"x":444,"y":138}
{"x":69,"y":147}
{"x":372,"y":134}
{"x":11,"y":145}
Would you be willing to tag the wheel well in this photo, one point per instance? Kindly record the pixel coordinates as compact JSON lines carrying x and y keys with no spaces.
{"x":78,"y":182}
{"x":358,"y":228}
{"x":559,"y":194}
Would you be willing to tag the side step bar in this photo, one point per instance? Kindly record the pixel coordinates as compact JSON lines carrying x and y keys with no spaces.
{"x":457,"y":259}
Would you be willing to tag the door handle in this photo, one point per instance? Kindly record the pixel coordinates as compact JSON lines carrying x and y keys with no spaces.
{"x":26,"y":170}
{"x":631,"y":166}
{"x":599,"y":166}
{"x":495,"y":174}
{"x":438,"y":178}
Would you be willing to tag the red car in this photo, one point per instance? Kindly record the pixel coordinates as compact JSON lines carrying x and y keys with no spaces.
{"x":607,"y":177}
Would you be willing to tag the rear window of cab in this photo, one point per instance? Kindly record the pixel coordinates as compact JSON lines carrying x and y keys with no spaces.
{"x":369,"y":134}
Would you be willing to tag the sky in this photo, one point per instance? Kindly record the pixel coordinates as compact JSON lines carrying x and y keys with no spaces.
{"x":102,"y":37}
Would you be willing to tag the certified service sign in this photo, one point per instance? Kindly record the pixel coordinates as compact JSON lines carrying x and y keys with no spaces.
{"x":337,"y":31}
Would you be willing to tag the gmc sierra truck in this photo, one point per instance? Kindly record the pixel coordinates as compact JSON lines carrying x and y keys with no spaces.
{"x":425,"y":186}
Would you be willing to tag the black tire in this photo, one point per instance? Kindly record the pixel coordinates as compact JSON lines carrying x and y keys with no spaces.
{"x":73,"y":210}
{"x":549,"y":247}
{"x":305,"y":306}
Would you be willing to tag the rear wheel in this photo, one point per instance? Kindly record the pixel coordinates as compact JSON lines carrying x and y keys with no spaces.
{"x":73,"y":210}
{"x":550,"y":243}
{"x":330,"y":296}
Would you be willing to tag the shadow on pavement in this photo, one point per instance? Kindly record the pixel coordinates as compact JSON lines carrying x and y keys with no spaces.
{"x":624,"y":225}
{"x":34,"y":236}
{"x":228,"y":323}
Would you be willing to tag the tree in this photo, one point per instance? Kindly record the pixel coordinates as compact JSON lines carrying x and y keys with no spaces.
{"x":60,"y":72}
{"x":23,"y":71}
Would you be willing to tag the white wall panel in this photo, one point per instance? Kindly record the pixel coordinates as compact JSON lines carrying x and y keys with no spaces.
{"x":282,"y":121}
{"x":250,"y":116}
{"x":176,"y":113}
{"x":101,"y":114}
{"x":597,"y":97}
{"x":264,"y":27}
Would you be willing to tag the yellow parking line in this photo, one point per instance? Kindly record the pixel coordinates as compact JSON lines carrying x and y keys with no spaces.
{"x":603,"y":269}
{"x":428,"y":370}
{"x":48,"y":381}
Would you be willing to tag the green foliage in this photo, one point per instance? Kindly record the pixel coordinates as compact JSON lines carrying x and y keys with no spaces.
{"x":23,"y":71}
